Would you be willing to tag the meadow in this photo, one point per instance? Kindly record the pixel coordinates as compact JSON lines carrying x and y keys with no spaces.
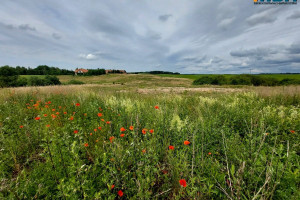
{"x":149,"y":137}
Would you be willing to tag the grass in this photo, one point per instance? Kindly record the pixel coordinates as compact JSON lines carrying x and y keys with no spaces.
{"x":196,"y":76}
{"x":243,"y":143}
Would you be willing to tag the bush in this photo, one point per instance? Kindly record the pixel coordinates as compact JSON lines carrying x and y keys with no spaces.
{"x":75,"y":82}
{"x":212,"y":80}
{"x":52,"y":80}
{"x":22,"y":81}
{"x":48,"y":80}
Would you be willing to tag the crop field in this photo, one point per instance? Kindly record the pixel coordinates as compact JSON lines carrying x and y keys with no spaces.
{"x":149,"y":137}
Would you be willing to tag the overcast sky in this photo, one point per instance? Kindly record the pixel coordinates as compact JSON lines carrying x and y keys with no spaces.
{"x":186,"y":36}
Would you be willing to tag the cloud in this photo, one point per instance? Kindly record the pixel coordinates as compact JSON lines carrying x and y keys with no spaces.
{"x":26,"y":27}
{"x":88,"y":56}
{"x":226,"y":22}
{"x":265,"y":17}
{"x":164,"y":18}
{"x":295,"y":15}
{"x":56,"y":36}
{"x":294,"y":48}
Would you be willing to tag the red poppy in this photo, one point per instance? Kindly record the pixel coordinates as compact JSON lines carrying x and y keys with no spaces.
{"x":99,"y":114}
{"x":46,"y":106}
{"x":45,"y":115}
{"x":209,"y":153}
{"x":59,"y":107}
{"x":103,"y":120}
{"x":171,"y":147}
{"x":108,"y":122}
{"x":112,"y":187}
{"x":292,"y":131}
{"x":111,"y":138}
{"x":65,"y":113}
{"x":151,"y":130}
{"x":156,"y":107}
{"x":37,"y":118}
{"x":76,"y":131}
{"x":99,"y":127}
{"x":71,"y":118}
{"x":120,"y":193}
{"x":49,"y":102}
{"x":48,"y":125}
{"x":53,"y":116}
{"x":95,"y":129}
{"x":53,"y":109}
{"x":122,"y":135}
{"x":91,"y":134}
{"x":96,"y":140}
{"x":186,"y":142}
{"x":77,"y":104}
{"x":21,"y":126}
{"x":182,"y":182}
{"x":86,"y":144}
{"x":144,"y":131}
{"x":57,"y":113}
{"x":122,"y":129}
{"x":144,"y":150}
{"x":131,"y":128}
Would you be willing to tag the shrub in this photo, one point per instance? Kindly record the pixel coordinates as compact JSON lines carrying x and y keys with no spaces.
{"x":75,"y":82}
{"x":213,"y":80}
{"x":52,"y":80}
{"x":22,"y":81}
{"x":48,"y":80}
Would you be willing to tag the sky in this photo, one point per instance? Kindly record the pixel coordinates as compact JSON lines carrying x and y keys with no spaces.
{"x":189,"y":36}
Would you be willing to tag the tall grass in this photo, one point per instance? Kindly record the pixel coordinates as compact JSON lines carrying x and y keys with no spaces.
{"x":242,"y":146}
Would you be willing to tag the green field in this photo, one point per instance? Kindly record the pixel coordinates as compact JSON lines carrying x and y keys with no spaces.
{"x":186,"y":142}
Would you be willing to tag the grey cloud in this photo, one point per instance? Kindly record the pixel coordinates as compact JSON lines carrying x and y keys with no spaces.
{"x":295,"y":15}
{"x":26,"y":27}
{"x":164,"y":18}
{"x":294,"y":49}
{"x":264,"y":17}
{"x":56,"y":36}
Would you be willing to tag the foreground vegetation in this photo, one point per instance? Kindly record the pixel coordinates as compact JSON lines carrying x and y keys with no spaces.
{"x":92,"y":142}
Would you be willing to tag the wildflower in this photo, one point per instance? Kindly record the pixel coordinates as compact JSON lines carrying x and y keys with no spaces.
{"x":53,"y":109}
{"x":46,"y":106}
{"x":85,"y":114}
{"x":28,"y":107}
{"x":71,"y":118}
{"x":131,"y":128}
{"x":36,"y":105}
{"x":75,"y":131}
{"x":77,"y":104}
{"x":112,"y":187}
{"x":65,"y":113}
{"x":209,"y":153}
{"x":144,"y":131}
{"x":91,"y":134}
{"x":59,"y":107}
{"x":182,"y":182}
{"x":267,"y":133}
{"x":292,"y":131}
{"x":156,"y":107}
{"x":108,"y":122}
{"x":120,"y":193}
{"x":37,"y":118}
{"x":95,"y":130}
{"x":48,"y":125}
{"x":151,"y":130}
{"x":144,"y":150}
{"x":171,"y":147}
{"x":99,"y":127}
{"x":122,"y":135}
{"x":103,"y":120}
{"x":164,"y":171}
{"x":49,"y":102}
{"x":111,"y":139}
{"x":86,"y":144}
{"x":21,"y":126}
{"x":57,"y":113}
{"x":100,"y":115}
{"x":96,"y":140}
{"x":122,"y":129}
{"x":53,"y":116}
{"x":186,"y":142}
{"x":45,"y":115}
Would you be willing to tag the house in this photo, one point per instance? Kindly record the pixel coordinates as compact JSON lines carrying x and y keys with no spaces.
{"x":114,"y":71}
{"x":81,"y":71}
